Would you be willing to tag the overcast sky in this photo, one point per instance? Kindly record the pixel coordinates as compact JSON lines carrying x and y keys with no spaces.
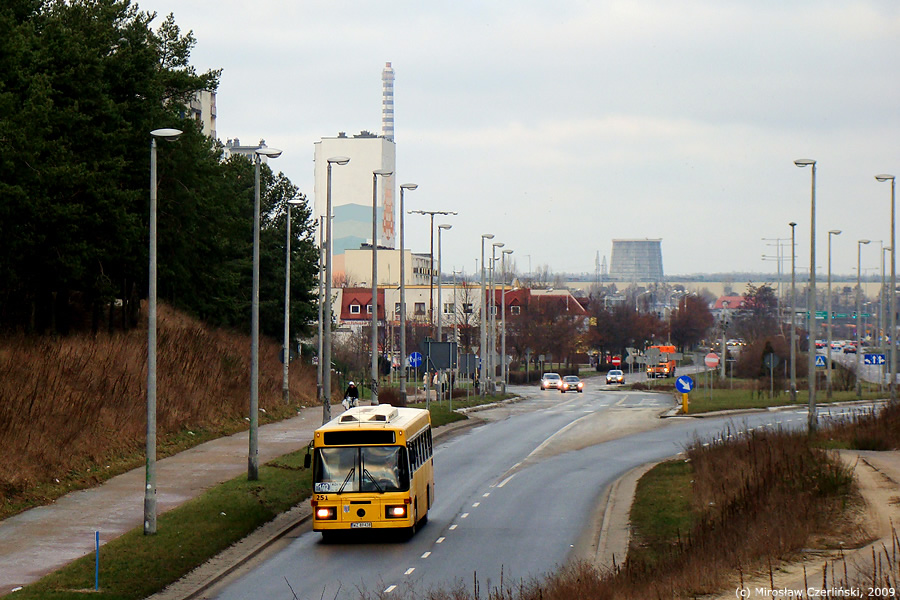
{"x":560,"y":126}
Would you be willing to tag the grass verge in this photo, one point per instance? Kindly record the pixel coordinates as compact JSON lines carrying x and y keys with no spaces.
{"x":135,"y":566}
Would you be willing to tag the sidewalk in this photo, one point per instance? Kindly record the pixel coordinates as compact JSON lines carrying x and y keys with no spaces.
{"x":41,"y":540}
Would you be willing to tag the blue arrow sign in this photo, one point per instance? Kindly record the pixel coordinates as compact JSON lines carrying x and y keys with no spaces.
{"x":415,"y":359}
{"x":874,"y":359}
{"x":684,"y":384}
{"x":820,"y":361}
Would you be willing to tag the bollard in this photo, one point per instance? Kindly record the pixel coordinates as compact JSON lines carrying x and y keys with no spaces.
{"x":97,"y":561}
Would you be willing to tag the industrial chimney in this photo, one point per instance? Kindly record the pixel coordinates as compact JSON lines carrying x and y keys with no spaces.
{"x":387,"y":102}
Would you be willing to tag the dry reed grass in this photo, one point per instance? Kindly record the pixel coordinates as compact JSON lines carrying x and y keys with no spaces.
{"x":868,"y":429}
{"x":72,"y":404}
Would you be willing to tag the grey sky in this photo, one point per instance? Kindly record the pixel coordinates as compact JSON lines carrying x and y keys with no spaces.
{"x":559,"y":126}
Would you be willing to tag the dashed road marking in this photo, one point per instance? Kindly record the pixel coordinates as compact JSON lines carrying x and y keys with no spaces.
{"x":409,"y":571}
{"x":454,"y":526}
{"x":476,"y":505}
{"x":426,"y":555}
{"x":464,"y":515}
{"x":440,"y":540}
{"x":486,"y":495}
{"x":390,"y":589}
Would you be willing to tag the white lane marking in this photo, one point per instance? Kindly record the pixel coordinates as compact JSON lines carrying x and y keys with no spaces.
{"x":558,"y":433}
{"x":426,"y":555}
{"x":476,"y":505}
{"x":464,"y":515}
{"x":409,"y":571}
{"x":390,"y":589}
{"x":454,"y":526}
{"x":440,"y":540}
{"x":505,"y":481}
{"x":486,"y":495}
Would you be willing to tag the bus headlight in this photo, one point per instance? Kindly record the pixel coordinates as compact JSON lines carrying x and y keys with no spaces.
{"x":395,"y":511}
{"x":326,"y":513}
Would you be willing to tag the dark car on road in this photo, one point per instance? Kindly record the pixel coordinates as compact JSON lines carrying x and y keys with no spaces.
{"x":571,"y":383}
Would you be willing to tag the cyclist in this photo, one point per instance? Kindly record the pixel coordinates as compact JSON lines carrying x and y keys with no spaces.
{"x":351,"y":396}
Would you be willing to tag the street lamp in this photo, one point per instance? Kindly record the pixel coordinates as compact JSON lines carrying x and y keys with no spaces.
{"x":481,"y":377}
{"x":403,"y":187}
{"x":253,"y":456}
{"x":859,"y":245}
{"x":883,"y":178}
{"x":375,"y":174}
{"x":881,"y":317}
{"x":431,"y":257}
{"x":828,"y":317}
{"x":793,"y":315}
{"x":321,"y":298}
{"x":285,"y":387}
{"x":150,"y":488}
{"x":492,"y":330}
{"x":326,"y":335}
{"x":812,"y":423}
{"x":503,"y":322}
{"x":440,"y":301}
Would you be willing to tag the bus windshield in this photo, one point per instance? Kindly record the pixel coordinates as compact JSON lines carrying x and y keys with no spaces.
{"x":361,"y":469}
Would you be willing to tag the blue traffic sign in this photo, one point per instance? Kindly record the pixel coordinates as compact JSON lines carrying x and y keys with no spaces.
{"x":415,"y":359}
{"x":874,"y":359}
{"x":684,"y":384}
{"x":820,"y":361}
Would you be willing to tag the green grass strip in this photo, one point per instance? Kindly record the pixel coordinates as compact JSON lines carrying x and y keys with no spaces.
{"x":662,"y":510}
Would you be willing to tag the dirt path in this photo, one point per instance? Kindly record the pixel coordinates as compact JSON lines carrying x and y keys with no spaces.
{"x":847,"y":572}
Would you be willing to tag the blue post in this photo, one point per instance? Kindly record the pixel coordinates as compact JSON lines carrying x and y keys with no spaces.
{"x":97,"y":561}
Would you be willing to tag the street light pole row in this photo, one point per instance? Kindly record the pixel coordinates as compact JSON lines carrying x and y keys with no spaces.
{"x":811,"y":304}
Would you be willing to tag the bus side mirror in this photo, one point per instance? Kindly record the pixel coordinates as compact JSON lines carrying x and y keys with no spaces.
{"x":307,"y":460}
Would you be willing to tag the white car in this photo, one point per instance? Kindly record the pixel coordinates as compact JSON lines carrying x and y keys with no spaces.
{"x":550,"y":380}
{"x":615,"y":376}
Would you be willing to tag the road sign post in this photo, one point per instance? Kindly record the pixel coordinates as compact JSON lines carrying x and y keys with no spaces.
{"x":684,"y":384}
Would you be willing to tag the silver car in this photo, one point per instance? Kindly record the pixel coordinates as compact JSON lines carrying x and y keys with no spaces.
{"x":550,"y":380}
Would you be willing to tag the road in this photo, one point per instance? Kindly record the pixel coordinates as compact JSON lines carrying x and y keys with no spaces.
{"x":514,"y":499}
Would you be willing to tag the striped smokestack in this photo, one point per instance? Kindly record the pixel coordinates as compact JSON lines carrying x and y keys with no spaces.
{"x":387,"y":102}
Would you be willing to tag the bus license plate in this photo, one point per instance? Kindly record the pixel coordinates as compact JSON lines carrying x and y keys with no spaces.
{"x":361,"y":525}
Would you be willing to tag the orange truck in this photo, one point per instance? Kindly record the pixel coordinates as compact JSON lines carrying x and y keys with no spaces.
{"x":665,"y":366}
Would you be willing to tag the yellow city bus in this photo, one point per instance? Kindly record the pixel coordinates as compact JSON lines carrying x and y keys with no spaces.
{"x":373,"y":469}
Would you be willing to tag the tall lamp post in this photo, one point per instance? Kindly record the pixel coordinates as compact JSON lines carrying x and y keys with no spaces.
{"x":253,"y":455}
{"x":440,"y":301}
{"x":503,"y":362}
{"x":893,"y":291}
{"x":812,"y":421}
{"x":859,"y":245}
{"x":431,"y":213}
{"x":321,"y":302}
{"x":793,"y":315}
{"x":828,"y":317}
{"x":150,"y":475}
{"x":483,"y":349}
{"x":403,"y":187}
{"x":492,"y":329}
{"x":882,"y":322}
{"x":375,"y":174}
{"x":285,"y":386}
{"x":326,"y":335}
